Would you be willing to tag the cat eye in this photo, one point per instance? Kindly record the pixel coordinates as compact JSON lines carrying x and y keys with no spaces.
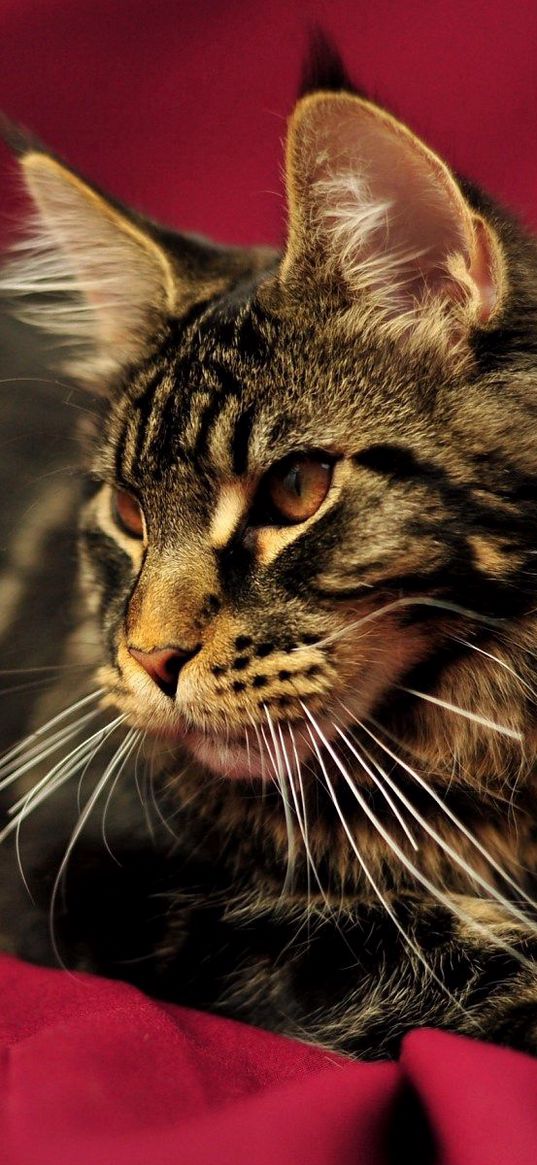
{"x":128,"y":513}
{"x":294,"y":489}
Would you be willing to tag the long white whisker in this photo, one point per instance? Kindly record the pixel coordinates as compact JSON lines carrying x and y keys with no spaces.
{"x":452,"y":817}
{"x":496,"y":659}
{"x":280,"y":777}
{"x":301,"y":814}
{"x":248,"y":754}
{"x":474,"y":716}
{"x":39,"y":753}
{"x":379,"y":785}
{"x":301,"y":823}
{"x":86,"y":812}
{"x":61,"y":770}
{"x":39,"y":732}
{"x":444,"y":845}
{"x":397,"y":604}
{"x":82,"y":756}
{"x":416,"y":873}
{"x":126,"y":749}
{"x":143,"y":800}
{"x":367,"y":873}
{"x":261,"y":752}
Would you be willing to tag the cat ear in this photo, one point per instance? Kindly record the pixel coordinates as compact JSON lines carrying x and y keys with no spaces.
{"x":376,"y":213}
{"x":89,"y":273}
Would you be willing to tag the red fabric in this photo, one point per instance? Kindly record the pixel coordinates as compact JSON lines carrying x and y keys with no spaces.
{"x":179,"y":109}
{"x":95,"y":1073}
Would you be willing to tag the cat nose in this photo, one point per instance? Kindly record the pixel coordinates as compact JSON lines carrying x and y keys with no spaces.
{"x":163,"y":665}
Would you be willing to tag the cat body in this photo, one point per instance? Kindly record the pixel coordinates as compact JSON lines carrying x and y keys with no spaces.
{"x":292,"y":741}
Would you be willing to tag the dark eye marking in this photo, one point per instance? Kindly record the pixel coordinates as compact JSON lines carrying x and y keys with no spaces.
{"x":394,"y":461}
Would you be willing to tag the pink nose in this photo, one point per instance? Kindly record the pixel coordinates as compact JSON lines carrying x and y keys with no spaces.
{"x":163,"y":664}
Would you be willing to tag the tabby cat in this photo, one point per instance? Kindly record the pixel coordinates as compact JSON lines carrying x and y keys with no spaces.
{"x":286,"y":770}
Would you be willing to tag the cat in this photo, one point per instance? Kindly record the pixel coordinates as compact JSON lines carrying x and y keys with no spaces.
{"x":286,"y":771}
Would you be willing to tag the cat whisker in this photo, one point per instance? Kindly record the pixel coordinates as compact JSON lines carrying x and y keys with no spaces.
{"x":50,"y":784}
{"x":302,"y":819}
{"x":129,"y":744}
{"x":398,"y":604}
{"x":261,"y":754}
{"x":39,"y":753}
{"x":363,"y":865}
{"x":154,"y":799}
{"x":279,"y":773}
{"x":40,"y":732}
{"x":142,"y":799}
{"x":448,"y":812}
{"x":384,"y":792}
{"x":501,"y":663}
{"x":301,"y":823}
{"x":440,"y":841}
{"x":483,"y":721}
{"x":248,"y":753}
{"x":83,"y":818}
{"x":56,"y":776}
{"x":417,"y":874}
{"x":53,"y":667}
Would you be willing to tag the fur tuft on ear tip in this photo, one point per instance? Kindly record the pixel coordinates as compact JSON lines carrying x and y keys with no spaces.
{"x":85,"y":272}
{"x":18,"y":139}
{"x":323,"y":66}
{"x":376,"y":214}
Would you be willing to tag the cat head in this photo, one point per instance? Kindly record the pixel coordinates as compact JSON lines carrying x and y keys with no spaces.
{"x":312,"y":472}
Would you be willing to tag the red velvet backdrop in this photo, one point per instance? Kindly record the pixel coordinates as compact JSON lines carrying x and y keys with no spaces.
{"x":180,"y":109}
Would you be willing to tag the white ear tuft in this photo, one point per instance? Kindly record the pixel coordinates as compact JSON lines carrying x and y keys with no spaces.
{"x":375,"y":212}
{"x":86,"y":273}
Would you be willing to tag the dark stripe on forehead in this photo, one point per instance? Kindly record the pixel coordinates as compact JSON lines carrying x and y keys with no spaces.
{"x":142,"y":408}
{"x":229,"y":383}
{"x":240,"y":440}
{"x":162,"y":362}
{"x":207,"y":418}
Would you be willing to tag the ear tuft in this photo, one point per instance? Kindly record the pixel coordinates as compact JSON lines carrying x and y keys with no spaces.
{"x":323,"y":67}
{"x":86,"y":273}
{"x":379,"y":215}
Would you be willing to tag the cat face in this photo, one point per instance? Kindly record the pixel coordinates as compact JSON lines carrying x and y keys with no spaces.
{"x":299,"y":500}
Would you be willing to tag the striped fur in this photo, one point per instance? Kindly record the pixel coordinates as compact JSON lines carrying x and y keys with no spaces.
{"x":335,"y":831}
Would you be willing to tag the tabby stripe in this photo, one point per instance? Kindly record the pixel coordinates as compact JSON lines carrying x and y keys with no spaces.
{"x":241,"y":439}
{"x":398,"y":462}
{"x":209,"y":415}
{"x":143,"y":406}
{"x":230,"y":384}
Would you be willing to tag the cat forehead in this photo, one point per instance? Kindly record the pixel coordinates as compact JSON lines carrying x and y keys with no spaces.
{"x":236,"y":387}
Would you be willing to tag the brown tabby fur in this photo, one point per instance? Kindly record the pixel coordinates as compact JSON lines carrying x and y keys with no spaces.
{"x":416,"y":575}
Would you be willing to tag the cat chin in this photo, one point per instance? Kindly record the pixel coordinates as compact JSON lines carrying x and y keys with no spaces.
{"x":226,"y":758}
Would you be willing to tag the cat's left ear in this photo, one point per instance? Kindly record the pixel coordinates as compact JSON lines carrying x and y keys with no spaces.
{"x":99,"y":278}
{"x":87,"y":272}
{"x":375,"y":213}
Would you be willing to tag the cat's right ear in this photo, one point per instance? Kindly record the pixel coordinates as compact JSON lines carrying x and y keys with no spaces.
{"x":94,"y":275}
{"x":379,"y":218}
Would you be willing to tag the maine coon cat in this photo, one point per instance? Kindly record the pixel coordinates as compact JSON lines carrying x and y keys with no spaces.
{"x":287,"y":771}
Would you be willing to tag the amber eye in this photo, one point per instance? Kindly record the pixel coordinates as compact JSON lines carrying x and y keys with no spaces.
{"x":296,"y":487}
{"x":127,"y":513}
